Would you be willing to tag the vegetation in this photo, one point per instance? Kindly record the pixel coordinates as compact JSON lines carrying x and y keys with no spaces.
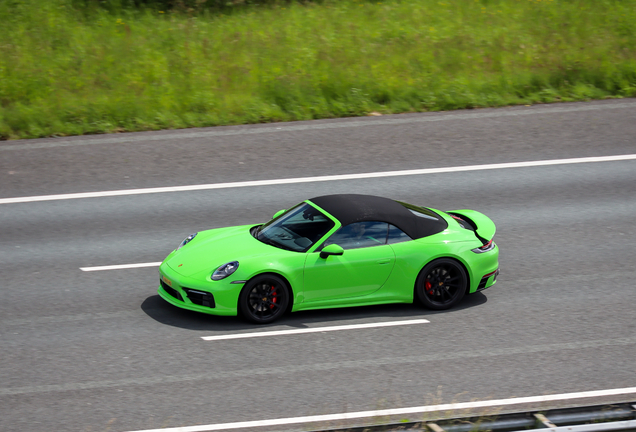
{"x":71,"y":67}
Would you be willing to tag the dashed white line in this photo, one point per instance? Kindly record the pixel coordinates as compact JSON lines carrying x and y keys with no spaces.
{"x":397,"y":411}
{"x":120,"y":266}
{"x":315,"y":330}
{"x":339,"y":177}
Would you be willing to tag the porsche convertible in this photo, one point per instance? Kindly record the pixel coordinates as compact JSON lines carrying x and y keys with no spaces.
{"x":333,"y":251}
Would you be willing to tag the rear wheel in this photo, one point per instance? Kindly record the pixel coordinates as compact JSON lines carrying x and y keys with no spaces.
{"x":264,"y":299}
{"x":441,"y":284}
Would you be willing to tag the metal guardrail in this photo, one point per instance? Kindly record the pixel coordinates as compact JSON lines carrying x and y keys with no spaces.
{"x":629,"y":425}
{"x":598,"y":418}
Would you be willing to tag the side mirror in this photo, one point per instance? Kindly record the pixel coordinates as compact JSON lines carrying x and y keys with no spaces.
{"x":278,"y":213}
{"x":332,"y":249}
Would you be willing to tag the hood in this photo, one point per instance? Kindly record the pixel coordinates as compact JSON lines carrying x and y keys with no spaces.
{"x":213,"y":248}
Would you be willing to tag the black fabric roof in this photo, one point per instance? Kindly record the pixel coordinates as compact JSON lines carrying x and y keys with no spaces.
{"x":349,"y":208}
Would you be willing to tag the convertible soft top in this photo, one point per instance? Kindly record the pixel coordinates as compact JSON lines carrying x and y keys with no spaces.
{"x":350,"y":208}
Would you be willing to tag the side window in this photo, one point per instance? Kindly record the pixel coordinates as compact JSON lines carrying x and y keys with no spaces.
{"x":396,"y":235}
{"x":359,"y":235}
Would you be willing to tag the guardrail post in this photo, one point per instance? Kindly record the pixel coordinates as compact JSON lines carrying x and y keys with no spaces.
{"x":543,"y":420}
{"x":434,"y":427}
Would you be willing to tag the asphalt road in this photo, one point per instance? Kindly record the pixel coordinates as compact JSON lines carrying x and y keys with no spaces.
{"x":100,"y":351}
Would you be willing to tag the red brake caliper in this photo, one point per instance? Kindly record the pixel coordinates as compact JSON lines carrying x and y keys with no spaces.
{"x":275,"y":299}
{"x":428,"y":287}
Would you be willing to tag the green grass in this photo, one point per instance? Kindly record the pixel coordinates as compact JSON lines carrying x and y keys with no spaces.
{"x":69,"y":71}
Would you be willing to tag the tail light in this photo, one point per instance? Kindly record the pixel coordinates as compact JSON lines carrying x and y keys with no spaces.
{"x":487,"y":247}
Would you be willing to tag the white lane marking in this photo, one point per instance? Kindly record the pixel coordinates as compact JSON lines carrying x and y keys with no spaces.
{"x":397,"y":411}
{"x":120,"y":266}
{"x":338,"y":177}
{"x":315,"y":330}
{"x":343,"y":123}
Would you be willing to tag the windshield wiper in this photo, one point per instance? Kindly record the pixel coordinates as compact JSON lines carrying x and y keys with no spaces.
{"x":266,"y":240}
{"x":255,"y":231}
{"x":274,"y":243}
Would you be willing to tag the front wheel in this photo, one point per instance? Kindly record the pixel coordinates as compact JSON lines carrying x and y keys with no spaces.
{"x":441,"y":284}
{"x":264,"y":299}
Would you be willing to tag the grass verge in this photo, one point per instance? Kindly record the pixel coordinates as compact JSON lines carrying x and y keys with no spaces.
{"x":66,"y":70}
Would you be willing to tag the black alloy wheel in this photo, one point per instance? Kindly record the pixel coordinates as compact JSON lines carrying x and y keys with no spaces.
{"x":441,"y":284}
{"x":264,"y":299}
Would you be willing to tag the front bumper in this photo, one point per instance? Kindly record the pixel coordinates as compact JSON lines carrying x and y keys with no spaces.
{"x":206,"y":296}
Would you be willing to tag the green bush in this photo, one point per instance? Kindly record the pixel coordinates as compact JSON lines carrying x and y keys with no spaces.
{"x":71,"y":68}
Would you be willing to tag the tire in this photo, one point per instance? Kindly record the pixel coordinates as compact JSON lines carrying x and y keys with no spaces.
{"x":264,"y":299}
{"x":441,"y":284}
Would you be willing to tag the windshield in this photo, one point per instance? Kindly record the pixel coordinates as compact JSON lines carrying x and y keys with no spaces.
{"x":296,"y":230}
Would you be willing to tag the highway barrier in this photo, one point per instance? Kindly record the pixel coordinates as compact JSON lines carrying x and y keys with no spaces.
{"x":598,"y":418}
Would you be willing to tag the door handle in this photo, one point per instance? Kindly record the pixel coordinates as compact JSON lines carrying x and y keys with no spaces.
{"x":384,"y":261}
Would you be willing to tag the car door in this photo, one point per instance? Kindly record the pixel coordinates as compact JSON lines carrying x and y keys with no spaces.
{"x":362,"y":269}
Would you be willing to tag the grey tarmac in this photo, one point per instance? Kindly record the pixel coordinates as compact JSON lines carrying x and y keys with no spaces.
{"x":93,"y":351}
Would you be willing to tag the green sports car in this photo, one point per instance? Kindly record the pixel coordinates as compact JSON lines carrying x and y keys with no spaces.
{"x":333,"y":251}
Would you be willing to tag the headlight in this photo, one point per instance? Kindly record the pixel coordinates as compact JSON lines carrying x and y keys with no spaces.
{"x":187,"y":240}
{"x":225,"y":270}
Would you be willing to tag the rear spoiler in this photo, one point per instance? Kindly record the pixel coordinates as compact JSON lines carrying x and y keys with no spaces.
{"x":484,"y":227}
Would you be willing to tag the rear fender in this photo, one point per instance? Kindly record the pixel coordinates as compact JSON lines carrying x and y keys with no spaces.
{"x":484,"y":226}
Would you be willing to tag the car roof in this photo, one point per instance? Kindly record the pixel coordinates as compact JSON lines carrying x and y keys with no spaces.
{"x":350,"y":208}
